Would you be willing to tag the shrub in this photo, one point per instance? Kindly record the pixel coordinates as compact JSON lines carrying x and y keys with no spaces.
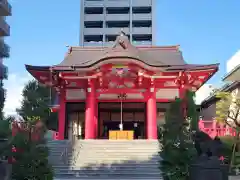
{"x":228,"y":142}
{"x":31,"y":156}
{"x":177,"y":146}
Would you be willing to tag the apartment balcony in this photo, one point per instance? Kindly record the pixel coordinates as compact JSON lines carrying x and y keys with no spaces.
{"x":142,"y":17}
{"x":93,"y":31}
{"x":118,"y":17}
{"x":142,"y":30}
{"x":93,"y":17}
{"x":5,"y":8}
{"x":142,"y":43}
{"x":4,"y":49}
{"x":2,"y":92}
{"x":109,"y":44}
{"x":4,"y":28}
{"x":141,"y":3}
{"x":93,"y":3}
{"x":99,"y":44}
{"x":93,"y":44}
{"x":116,"y":31}
{"x":117,"y":3}
{"x":3,"y":71}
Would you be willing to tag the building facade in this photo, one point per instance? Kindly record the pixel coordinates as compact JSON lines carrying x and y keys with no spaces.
{"x":5,"y":10}
{"x":208,"y":106}
{"x":118,"y":92}
{"x":103,"y":20}
{"x":232,"y":85}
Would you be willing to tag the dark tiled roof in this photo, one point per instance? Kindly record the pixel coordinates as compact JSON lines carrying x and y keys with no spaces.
{"x":153,"y":56}
{"x":168,"y":58}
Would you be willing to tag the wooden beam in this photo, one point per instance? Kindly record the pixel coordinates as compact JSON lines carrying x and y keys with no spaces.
{"x":119,"y":90}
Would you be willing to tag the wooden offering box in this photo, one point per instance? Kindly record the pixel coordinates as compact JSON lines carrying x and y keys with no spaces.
{"x":121,"y":135}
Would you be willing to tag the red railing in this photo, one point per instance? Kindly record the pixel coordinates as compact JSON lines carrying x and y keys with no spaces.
{"x":213,"y":128}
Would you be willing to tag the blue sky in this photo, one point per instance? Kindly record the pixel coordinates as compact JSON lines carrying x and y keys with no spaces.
{"x":208,"y":31}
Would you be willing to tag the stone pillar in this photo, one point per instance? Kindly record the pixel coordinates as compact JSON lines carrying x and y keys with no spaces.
{"x":90,"y":125}
{"x":62,"y":115}
{"x":151,"y":117}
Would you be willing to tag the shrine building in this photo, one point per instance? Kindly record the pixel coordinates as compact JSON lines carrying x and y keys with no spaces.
{"x":118,"y":92}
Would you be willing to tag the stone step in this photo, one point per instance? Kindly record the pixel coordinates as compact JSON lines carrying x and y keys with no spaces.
{"x":129,"y":164}
{"x":120,"y":158}
{"x":100,"y":162}
{"x":106,"y":155}
{"x":100,"y":159}
{"x":104,"y":159}
{"x":114,"y":166}
{"x":109,"y":150}
{"x":110,"y":174}
{"x":108,"y":178}
{"x":104,"y":145}
{"x":104,"y":163}
{"x":105,"y":141}
{"x":107,"y":170}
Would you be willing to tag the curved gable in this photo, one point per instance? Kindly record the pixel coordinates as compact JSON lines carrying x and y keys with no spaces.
{"x":152,"y":56}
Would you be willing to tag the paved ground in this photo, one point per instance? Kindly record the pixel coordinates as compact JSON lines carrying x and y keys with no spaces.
{"x":234,"y":178}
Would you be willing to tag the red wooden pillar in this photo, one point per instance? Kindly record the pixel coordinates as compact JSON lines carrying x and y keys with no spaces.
{"x":90,"y":124}
{"x":151,"y":116}
{"x":62,"y":114}
{"x":96,"y":119}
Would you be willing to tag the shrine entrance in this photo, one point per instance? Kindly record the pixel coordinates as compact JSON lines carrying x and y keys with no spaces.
{"x":128,"y":122}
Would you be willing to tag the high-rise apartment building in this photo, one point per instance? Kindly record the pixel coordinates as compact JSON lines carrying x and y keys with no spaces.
{"x":5,"y":10}
{"x":102,"y":21}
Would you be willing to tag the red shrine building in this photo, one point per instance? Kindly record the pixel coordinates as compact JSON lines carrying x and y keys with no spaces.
{"x":118,"y":92}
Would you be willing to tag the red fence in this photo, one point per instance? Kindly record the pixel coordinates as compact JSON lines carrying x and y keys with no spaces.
{"x":213,"y":129}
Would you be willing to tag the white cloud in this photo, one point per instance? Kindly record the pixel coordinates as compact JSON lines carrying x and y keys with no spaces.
{"x":203,"y":93}
{"x":14,"y":86}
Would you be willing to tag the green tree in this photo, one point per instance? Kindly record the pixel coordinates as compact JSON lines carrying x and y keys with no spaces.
{"x":175,"y":138}
{"x":228,"y":112}
{"x":192,"y":113}
{"x":228,"y":109}
{"x":35,"y":103}
{"x":2,"y":99}
{"x":4,"y":53}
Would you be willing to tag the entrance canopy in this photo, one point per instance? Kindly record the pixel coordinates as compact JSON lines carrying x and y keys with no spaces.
{"x":124,"y":68}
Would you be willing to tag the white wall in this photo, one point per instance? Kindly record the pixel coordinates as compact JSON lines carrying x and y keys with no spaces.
{"x":203,"y":93}
{"x":233,"y":61}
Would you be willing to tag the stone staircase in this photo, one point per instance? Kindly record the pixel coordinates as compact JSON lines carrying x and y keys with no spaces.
{"x":105,"y":159}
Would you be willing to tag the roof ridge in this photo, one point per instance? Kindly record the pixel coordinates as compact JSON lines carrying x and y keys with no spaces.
{"x":160,"y":47}
{"x":82,"y":48}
